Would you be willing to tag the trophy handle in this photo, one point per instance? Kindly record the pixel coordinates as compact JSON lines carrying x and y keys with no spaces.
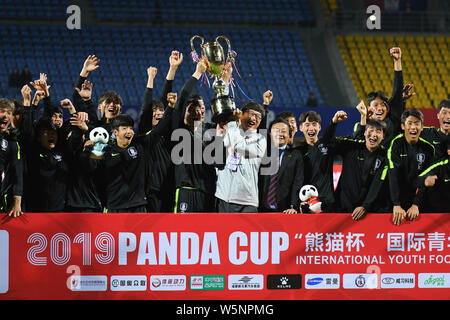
{"x":192,"y":41}
{"x":228,"y":44}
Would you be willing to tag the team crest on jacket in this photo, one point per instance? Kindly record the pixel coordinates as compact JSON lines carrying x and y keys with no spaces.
{"x":4,"y":145}
{"x":322,"y":149}
{"x":420,"y":160}
{"x":183,"y":207}
{"x":132,"y":152}
{"x":377,"y":164}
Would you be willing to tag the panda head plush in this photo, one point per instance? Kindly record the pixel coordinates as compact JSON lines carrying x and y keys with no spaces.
{"x":100,"y":137}
{"x":310,"y":199}
{"x":99,"y":134}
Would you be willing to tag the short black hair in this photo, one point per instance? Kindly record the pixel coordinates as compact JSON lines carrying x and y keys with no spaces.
{"x":122,"y":120}
{"x":193,"y":100}
{"x":157,"y":104}
{"x":193,"y":104}
{"x":377,"y":94}
{"x":6,"y":104}
{"x":285,"y":115}
{"x":252,"y":105}
{"x":111,"y":96}
{"x":280,"y":120}
{"x":50,"y":111}
{"x":54,"y":109}
{"x":378,"y":124}
{"x":195,"y":96}
{"x":18,"y":108}
{"x":444,"y":104}
{"x":311,"y":116}
{"x":44,"y":123}
{"x":412,"y":112}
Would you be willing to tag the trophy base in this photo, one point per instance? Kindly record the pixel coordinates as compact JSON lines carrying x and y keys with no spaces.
{"x":222,"y":108}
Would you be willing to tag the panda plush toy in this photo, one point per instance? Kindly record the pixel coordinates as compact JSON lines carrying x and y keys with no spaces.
{"x":310,"y":199}
{"x":100,"y":137}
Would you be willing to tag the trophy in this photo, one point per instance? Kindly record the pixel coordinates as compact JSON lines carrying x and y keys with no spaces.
{"x":222,"y":105}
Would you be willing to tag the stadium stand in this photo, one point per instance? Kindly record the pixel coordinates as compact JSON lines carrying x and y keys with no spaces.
{"x":426,"y":64}
{"x":50,"y":10}
{"x":126,"y":52}
{"x":203,"y":11}
{"x":329,"y":7}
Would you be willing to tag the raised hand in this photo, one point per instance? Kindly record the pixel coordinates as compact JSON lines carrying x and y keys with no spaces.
{"x":267,"y":97}
{"x":237,"y":114}
{"x":86,"y":90}
{"x":221,"y":127}
{"x":151,"y":73}
{"x":227,"y":71}
{"x":67,"y":104}
{"x":38,"y":96}
{"x":407,"y":91}
{"x":171,"y":99}
{"x":339,"y":116}
{"x":83,"y":116}
{"x":175,"y":59}
{"x":90,"y":64}
{"x":361,"y":107}
{"x":201,"y":68}
{"x":41,"y":84}
{"x":26,"y":94}
{"x":77,"y":121}
{"x":396,"y":53}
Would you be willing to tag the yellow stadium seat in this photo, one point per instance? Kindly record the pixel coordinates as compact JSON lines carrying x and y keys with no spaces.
{"x":425,"y":61}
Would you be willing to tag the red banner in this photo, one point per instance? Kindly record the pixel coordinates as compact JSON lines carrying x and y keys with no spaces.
{"x":223,"y":256}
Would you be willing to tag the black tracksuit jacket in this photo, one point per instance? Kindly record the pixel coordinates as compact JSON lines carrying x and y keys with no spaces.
{"x":406,"y":163}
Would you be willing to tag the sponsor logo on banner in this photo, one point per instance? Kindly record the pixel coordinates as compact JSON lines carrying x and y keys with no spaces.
{"x":88,"y":283}
{"x":207,"y":282}
{"x":397,"y":280}
{"x":167,"y":282}
{"x":245,"y":282}
{"x":128,"y":283}
{"x":4,"y":261}
{"x":360,"y":281}
{"x":434,"y":280}
{"x":284,"y":281}
{"x":322,"y":281}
